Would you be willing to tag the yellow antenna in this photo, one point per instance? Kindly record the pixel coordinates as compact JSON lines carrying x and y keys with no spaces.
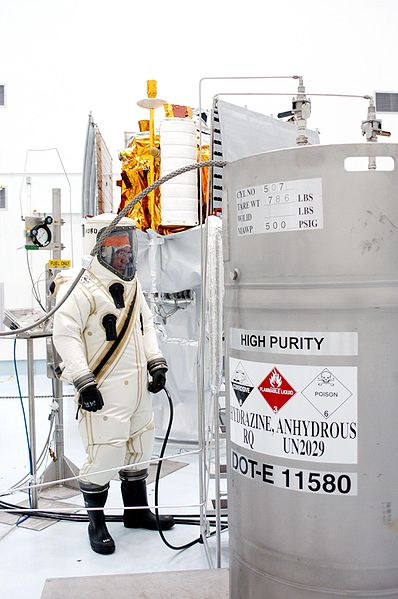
{"x":151,"y":102}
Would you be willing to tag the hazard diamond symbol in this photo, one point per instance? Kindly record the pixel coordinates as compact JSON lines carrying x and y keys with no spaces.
{"x":276,"y":390}
{"x":241,"y":384}
{"x":326,"y":393}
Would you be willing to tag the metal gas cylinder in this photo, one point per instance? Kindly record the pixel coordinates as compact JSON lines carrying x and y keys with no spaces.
{"x":311,"y":323}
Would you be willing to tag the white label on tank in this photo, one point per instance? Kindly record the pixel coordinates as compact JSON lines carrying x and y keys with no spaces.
{"x":295,"y":342}
{"x":306,"y":413}
{"x":320,"y":482}
{"x":279,"y":206}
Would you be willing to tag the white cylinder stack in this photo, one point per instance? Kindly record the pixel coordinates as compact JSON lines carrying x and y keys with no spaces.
{"x":179,"y":196}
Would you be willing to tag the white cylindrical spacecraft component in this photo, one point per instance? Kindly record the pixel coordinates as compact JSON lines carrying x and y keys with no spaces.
{"x":311,"y":320}
{"x":179,"y":196}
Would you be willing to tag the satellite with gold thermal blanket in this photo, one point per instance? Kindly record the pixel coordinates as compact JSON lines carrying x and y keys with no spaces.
{"x":175,"y":205}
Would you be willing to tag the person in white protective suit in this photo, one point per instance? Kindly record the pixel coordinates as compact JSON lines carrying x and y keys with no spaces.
{"x":105,"y":336}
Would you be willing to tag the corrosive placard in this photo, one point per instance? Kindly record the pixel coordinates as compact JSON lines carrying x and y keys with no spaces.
{"x":279,"y":206}
{"x":304,"y":413}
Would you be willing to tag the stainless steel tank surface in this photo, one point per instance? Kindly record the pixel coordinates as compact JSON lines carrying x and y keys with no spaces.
{"x":311,"y":324}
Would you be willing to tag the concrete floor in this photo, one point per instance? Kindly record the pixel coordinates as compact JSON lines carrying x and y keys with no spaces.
{"x":188,"y":584}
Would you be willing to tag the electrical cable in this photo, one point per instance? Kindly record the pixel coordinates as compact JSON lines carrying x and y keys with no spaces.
{"x":157,"y":478}
{"x":70,"y":204}
{"x":22,"y":180}
{"x":21,"y":519}
{"x":34,"y":292}
{"x":67,"y":178}
{"x":36,"y":396}
{"x":39,"y":461}
{"x":42,"y":454}
{"x":193,"y":519}
{"x":24,"y":415}
{"x":35,"y":288}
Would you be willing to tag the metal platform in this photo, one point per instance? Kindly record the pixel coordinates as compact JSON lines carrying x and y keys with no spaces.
{"x":184,"y":584}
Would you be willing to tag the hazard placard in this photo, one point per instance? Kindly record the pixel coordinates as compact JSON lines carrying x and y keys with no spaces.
{"x":241,"y":384}
{"x":326,"y":392}
{"x":299,"y":412}
{"x":276,"y":390}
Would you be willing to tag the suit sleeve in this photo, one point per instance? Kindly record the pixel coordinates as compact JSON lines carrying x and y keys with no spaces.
{"x":69,"y":323}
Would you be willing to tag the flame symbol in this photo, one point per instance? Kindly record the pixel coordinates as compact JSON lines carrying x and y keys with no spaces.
{"x":275,"y":379}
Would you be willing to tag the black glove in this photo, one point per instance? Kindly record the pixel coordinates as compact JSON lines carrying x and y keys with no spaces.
{"x":158,"y":380}
{"x":91,"y":399}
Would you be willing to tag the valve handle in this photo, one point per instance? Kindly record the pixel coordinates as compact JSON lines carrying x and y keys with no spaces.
{"x":281,"y":115}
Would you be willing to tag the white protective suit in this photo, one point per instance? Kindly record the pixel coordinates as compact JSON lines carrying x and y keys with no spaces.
{"x":122,"y":432}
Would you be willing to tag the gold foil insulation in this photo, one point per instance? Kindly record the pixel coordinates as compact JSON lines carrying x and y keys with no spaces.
{"x":136,"y":161}
{"x":151,"y":88}
{"x":136,"y":165}
{"x":202,"y":157}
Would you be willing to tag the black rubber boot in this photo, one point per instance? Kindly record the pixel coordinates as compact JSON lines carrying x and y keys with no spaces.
{"x":100,"y":539}
{"x":134,"y":493}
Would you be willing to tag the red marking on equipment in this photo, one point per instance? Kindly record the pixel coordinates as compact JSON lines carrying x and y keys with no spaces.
{"x":276,"y":390}
{"x":116,"y":241}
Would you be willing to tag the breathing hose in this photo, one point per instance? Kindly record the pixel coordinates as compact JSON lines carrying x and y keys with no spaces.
{"x":157,"y":477}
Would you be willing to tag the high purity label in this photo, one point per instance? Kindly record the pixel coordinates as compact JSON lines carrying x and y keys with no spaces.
{"x":320,"y":482}
{"x":279,"y":206}
{"x":308,"y":343}
{"x":304,"y":413}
